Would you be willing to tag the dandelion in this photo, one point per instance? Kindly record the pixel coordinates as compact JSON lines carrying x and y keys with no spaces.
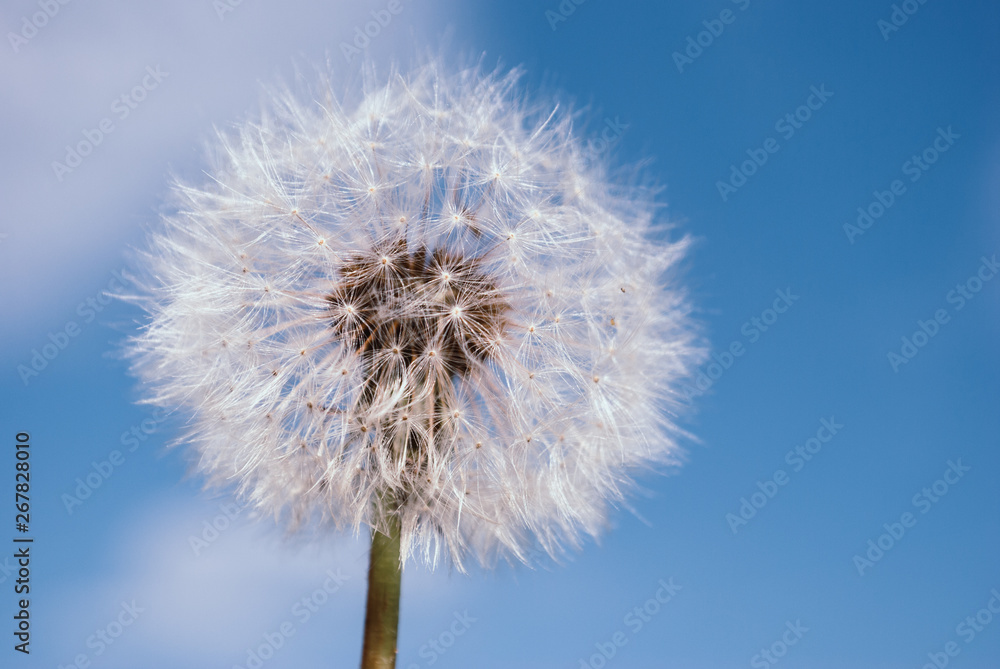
{"x":427,"y":314}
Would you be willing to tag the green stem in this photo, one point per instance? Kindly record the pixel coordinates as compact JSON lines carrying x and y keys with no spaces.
{"x":382,"y":613}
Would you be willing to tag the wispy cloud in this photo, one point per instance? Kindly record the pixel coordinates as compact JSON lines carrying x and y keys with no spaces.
{"x":64,"y":82}
{"x":209,"y":609}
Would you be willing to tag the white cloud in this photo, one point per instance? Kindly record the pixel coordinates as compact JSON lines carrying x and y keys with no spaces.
{"x":67,"y":236}
{"x":208,"y":609}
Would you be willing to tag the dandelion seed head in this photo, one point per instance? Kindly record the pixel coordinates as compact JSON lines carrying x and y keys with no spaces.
{"x":431,"y":296}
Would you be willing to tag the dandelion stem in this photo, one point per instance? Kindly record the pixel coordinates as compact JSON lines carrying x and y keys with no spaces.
{"x":382,"y":614}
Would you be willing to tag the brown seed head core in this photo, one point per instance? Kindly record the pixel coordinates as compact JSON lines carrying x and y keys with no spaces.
{"x":395,"y":306}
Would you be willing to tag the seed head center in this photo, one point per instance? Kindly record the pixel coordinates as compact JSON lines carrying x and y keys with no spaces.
{"x":392,"y":302}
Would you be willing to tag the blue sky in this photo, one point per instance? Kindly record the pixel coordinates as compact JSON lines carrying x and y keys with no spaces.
{"x":797,"y":577}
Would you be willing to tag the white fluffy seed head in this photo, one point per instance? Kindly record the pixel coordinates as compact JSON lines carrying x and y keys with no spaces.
{"x":433,"y":298}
